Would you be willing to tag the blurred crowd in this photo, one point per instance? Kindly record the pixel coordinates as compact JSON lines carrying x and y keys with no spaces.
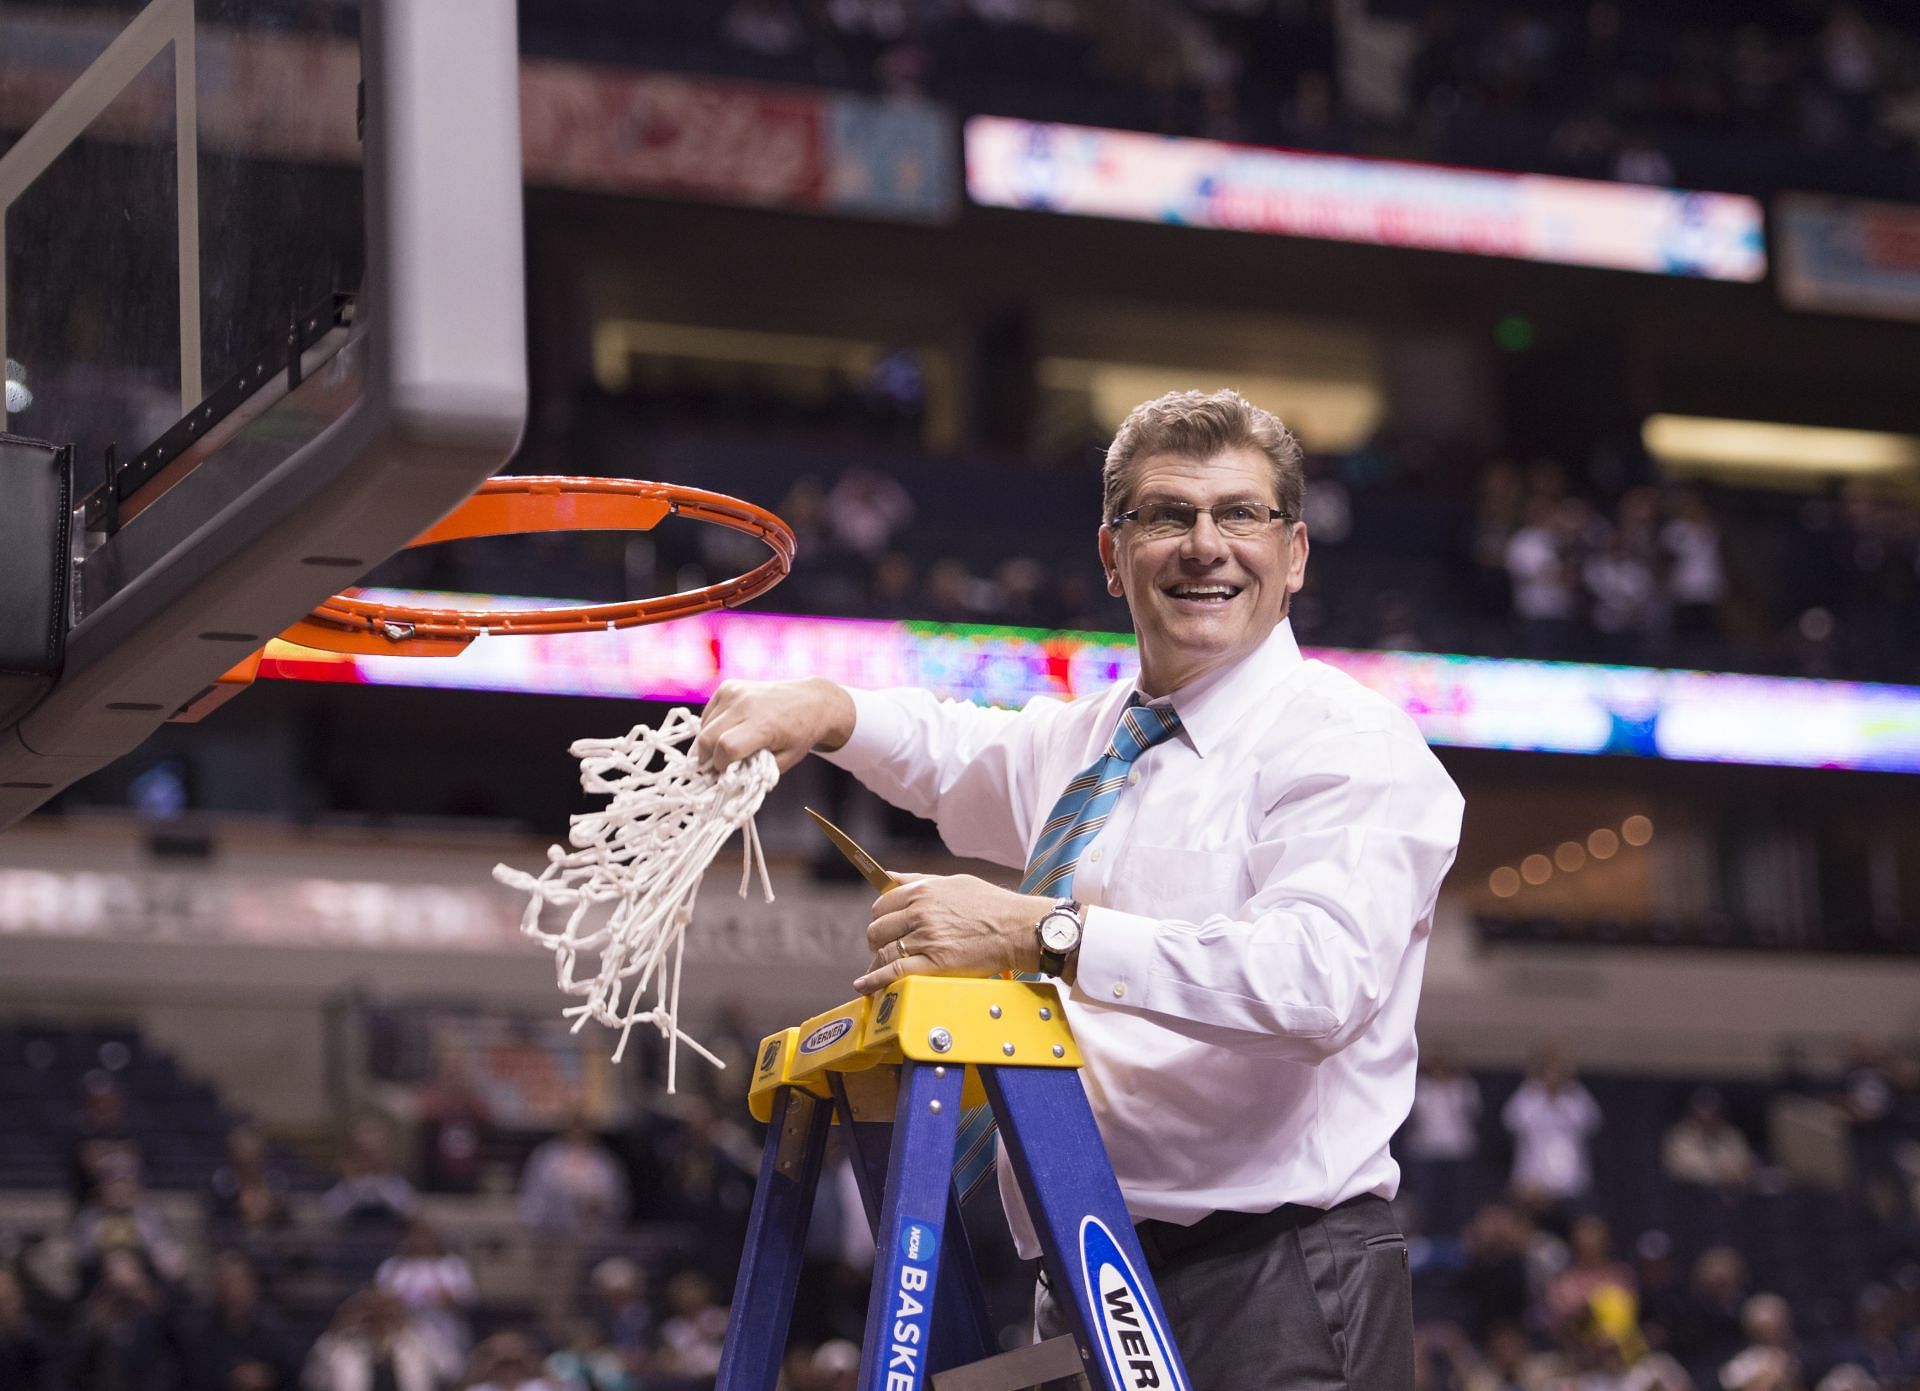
{"x":612,"y":1278}
{"x":1413,"y":550}
{"x":1539,"y":1268}
{"x":1565,"y":1234}
{"x":1820,"y":94}
{"x":1826,"y":585}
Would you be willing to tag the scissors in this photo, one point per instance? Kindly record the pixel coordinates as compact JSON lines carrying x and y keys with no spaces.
{"x":869,"y":867}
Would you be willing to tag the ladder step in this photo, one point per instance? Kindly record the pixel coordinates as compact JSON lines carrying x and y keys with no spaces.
{"x":1035,"y":1365}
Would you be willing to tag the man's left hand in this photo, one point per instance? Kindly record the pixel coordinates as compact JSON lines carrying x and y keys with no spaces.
{"x":950,"y":925}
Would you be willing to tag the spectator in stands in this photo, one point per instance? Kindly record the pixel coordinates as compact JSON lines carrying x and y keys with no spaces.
{"x":572,"y":1188}
{"x":1705,"y":1148}
{"x":1696,"y":583}
{"x":123,"y":1220}
{"x":1876,"y":1345}
{"x":28,"y":1354}
{"x":453,"y":1126}
{"x":622,"y":1317}
{"x":1443,"y":1141}
{"x":510,"y":1362}
{"x":436,"y":1285}
{"x":1624,"y":600}
{"x":1770,"y":1360}
{"x":372,"y":1345}
{"x":865,"y":511}
{"x":692,"y":1338}
{"x":896,"y":587}
{"x":248,"y":1193}
{"x":1708,"y":1331}
{"x":123,"y":1339}
{"x":1662,"y":1297}
{"x":1543,"y":573}
{"x":1870,"y":1100}
{"x":239,"y":1345}
{"x":102,"y":1144}
{"x":1494,"y":1283}
{"x":1552,"y":1119}
{"x":1593,"y":1273}
{"x":370,"y":1193}
{"x":572,"y":1184}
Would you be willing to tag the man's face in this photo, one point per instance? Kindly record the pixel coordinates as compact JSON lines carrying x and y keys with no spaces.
{"x":1203,"y":599}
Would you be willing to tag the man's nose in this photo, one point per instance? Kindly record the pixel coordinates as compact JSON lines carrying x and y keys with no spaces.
{"x":1204,"y":539}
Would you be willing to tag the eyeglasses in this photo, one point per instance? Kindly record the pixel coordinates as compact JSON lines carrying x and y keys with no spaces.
{"x":1158,"y":520}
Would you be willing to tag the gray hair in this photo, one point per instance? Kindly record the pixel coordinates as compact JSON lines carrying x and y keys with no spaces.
{"x":1196,"y":425}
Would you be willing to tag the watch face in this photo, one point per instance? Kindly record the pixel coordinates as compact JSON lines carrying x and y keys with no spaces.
{"x":1059,"y":932}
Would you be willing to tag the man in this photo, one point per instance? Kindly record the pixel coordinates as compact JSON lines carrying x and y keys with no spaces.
{"x":1238,"y":900}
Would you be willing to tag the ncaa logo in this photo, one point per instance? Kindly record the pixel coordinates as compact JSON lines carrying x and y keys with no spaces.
{"x":826,"y":1035}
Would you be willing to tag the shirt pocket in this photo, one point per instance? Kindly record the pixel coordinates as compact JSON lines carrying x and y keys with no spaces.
{"x":1178,"y":883}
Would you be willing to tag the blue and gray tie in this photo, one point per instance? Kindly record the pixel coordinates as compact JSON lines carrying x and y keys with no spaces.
{"x":1077,"y":818}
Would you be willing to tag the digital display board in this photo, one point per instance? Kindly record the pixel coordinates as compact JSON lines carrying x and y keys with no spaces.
{"x":1463,"y":702}
{"x":1207,"y":183}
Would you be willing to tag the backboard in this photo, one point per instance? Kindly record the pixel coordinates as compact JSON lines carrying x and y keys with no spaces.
{"x":263,"y":274}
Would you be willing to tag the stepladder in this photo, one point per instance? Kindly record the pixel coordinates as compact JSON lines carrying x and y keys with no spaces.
{"x":897,"y":1071}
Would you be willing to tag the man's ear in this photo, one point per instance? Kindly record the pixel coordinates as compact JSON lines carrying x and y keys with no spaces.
{"x":1110,"y":563}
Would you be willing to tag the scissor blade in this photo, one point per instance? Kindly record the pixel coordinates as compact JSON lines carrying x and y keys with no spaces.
{"x":868,"y":866}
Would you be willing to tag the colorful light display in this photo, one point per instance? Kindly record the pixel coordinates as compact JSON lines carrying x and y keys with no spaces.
{"x":1464,"y":702}
{"x":1206,"y":183}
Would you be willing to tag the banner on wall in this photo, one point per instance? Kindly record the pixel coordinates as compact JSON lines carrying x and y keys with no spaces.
{"x":1846,"y":256}
{"x":1207,"y":183}
{"x":588,"y":126}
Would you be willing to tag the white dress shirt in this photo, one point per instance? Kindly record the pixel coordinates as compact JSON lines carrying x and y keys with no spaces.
{"x":1258,"y":905}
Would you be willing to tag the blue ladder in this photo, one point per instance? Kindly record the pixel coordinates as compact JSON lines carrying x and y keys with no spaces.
{"x":897,"y":1070}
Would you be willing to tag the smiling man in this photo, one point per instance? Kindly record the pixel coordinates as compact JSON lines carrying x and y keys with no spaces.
{"x":1231,"y":863}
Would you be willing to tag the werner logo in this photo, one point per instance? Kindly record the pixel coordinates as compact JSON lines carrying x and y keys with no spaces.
{"x":826,"y":1035}
{"x":907,"y":1337}
{"x":1132,"y":1340}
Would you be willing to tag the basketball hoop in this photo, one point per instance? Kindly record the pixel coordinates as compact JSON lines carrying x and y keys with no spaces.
{"x":515,"y":505}
{"x":614,"y":906}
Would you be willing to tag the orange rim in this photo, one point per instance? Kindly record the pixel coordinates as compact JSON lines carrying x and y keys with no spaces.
{"x":519,"y":504}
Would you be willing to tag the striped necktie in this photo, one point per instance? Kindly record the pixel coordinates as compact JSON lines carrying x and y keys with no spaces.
{"x":1076,"y":819}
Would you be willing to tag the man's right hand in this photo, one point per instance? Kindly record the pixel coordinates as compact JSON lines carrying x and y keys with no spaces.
{"x":789,"y":719}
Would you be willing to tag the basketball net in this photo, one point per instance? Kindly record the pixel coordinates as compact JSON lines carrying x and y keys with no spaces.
{"x":627,"y":886}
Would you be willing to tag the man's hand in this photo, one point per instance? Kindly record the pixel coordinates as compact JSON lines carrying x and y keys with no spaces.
{"x":950,"y":925}
{"x":788,"y":718}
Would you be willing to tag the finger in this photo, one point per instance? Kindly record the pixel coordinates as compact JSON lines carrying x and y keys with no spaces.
{"x":874,"y":981}
{"x":901,"y":895}
{"x":715,"y":721}
{"x":884,"y":931}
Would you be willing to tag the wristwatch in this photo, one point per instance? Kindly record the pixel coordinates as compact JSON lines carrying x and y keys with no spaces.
{"x":1059,"y":935}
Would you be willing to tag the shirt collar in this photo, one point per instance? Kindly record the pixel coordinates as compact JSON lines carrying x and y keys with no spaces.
{"x":1226,"y":697}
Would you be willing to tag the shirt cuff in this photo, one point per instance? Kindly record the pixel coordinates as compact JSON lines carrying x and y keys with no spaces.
{"x":879,"y":726}
{"x":1116,"y":950}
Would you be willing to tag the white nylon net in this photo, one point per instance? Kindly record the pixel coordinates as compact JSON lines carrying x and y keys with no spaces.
{"x":627,"y":886}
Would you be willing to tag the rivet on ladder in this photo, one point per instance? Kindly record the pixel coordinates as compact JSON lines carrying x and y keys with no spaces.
{"x":1059,"y":1050}
{"x":939,"y":1040}
{"x":1007,"y":1048}
{"x":993,"y":1011}
{"x":934,"y":1106}
{"x":1045,"y":1013}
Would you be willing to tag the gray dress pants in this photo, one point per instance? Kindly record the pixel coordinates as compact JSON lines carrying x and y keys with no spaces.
{"x":1294,"y":1300}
